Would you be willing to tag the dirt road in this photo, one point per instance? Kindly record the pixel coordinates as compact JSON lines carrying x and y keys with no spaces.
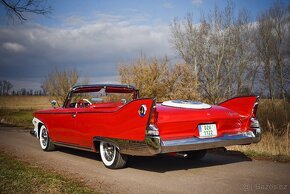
{"x":216,"y":173}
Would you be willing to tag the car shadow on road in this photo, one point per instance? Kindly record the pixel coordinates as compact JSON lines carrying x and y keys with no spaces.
{"x":80,"y":153}
{"x":165,"y":163}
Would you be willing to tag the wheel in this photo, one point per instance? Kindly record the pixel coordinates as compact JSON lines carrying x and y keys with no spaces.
{"x":111,"y":156}
{"x":44,"y":140}
{"x":196,"y":155}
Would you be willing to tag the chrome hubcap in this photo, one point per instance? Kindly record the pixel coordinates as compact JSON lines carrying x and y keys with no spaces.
{"x":44,"y":137}
{"x":109,"y":151}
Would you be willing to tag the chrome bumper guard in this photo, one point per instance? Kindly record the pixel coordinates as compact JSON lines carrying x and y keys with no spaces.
{"x":33,"y":133}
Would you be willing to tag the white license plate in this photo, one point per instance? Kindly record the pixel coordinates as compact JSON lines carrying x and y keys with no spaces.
{"x":207,"y":130}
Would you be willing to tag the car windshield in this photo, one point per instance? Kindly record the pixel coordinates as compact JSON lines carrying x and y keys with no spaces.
{"x":90,"y":98}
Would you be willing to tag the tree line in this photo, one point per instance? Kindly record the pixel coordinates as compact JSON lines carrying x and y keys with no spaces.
{"x":225,"y":55}
{"x":6,"y":89}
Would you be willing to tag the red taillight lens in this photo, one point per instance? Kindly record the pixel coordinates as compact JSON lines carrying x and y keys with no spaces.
{"x":154,"y":116}
{"x":255,"y":108}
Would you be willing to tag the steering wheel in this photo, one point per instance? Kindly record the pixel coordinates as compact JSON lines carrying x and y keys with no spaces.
{"x":81,"y":103}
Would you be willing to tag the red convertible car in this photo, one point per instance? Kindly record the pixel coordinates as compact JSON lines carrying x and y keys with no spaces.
{"x":114,"y":121}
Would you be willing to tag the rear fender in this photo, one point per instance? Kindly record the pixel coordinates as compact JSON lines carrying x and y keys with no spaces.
{"x":244,"y":105}
{"x":129,"y":122}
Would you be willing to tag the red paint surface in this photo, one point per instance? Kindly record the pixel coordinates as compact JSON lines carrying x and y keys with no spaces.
{"x":111,"y":121}
{"x":230,"y":117}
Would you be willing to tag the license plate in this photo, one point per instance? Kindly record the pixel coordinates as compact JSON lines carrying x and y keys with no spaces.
{"x":207,"y":130}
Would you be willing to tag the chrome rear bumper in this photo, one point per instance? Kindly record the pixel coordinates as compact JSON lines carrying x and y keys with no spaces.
{"x":153,"y":145}
{"x":199,"y":144}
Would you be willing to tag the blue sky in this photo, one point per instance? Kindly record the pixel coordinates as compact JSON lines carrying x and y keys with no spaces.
{"x":95,"y":36}
{"x":151,"y":10}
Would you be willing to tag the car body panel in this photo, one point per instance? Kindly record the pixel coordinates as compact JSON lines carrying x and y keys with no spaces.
{"x":174,"y":123}
{"x":79,"y":125}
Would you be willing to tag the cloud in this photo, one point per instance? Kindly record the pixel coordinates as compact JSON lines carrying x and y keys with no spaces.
{"x":168,"y":5}
{"x":13,"y":46}
{"x":94,"y":48}
{"x":74,"y":20}
{"x":197,"y":2}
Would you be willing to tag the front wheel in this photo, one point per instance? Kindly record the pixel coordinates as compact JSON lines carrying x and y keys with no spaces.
{"x":111,"y":156}
{"x":44,"y":140}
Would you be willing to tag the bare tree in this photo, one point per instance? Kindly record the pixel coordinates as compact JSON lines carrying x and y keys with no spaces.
{"x":278,"y":17}
{"x":272,"y":42}
{"x":19,"y":8}
{"x":219,"y":50}
{"x":264,"y":45}
{"x":58,"y":83}
{"x":5,"y":87}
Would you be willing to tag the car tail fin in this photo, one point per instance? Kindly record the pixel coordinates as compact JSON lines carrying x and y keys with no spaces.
{"x":244,"y":105}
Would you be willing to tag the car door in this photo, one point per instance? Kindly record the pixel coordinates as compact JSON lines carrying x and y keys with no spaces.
{"x":75,"y":134}
{"x":121,"y":123}
{"x":62,"y":125}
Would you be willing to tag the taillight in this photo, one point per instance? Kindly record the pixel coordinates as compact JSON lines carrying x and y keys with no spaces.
{"x":255,"y":108}
{"x":154,"y":116}
{"x":152,"y":129}
{"x":254,"y":123}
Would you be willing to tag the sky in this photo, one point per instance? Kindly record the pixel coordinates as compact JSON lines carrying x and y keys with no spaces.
{"x":95,"y":36}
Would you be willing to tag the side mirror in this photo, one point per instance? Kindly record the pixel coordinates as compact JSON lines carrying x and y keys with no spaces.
{"x":123,"y":101}
{"x":54,"y":103}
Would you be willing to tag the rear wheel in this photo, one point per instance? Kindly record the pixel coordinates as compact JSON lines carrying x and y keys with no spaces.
{"x":44,"y":140}
{"x":196,"y":154}
{"x":111,"y":156}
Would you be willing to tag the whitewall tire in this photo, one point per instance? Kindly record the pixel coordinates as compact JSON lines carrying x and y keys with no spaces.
{"x":111,"y":156}
{"x":44,"y":139}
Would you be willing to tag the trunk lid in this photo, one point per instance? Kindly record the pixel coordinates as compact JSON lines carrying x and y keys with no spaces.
{"x":179,"y":123}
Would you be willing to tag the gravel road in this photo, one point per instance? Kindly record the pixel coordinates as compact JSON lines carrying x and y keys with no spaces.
{"x":216,"y":173}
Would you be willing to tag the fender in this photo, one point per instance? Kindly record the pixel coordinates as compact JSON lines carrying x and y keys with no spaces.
{"x":244,"y":105}
{"x":37,"y":124}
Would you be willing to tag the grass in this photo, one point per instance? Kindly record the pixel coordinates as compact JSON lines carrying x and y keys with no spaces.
{"x":275,"y":123}
{"x":20,"y":177}
{"x":17,"y":110}
{"x":271,"y":147}
{"x":24,"y":102}
{"x":274,"y":119}
{"x":20,"y":118}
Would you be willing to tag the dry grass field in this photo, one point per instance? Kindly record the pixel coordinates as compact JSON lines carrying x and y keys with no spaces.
{"x":24,"y":102}
{"x":17,"y":110}
{"x":275,"y":124}
{"x":271,"y":147}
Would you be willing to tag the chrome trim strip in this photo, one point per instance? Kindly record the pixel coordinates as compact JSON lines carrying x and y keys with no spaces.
{"x":198,"y":144}
{"x":73,"y":146}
